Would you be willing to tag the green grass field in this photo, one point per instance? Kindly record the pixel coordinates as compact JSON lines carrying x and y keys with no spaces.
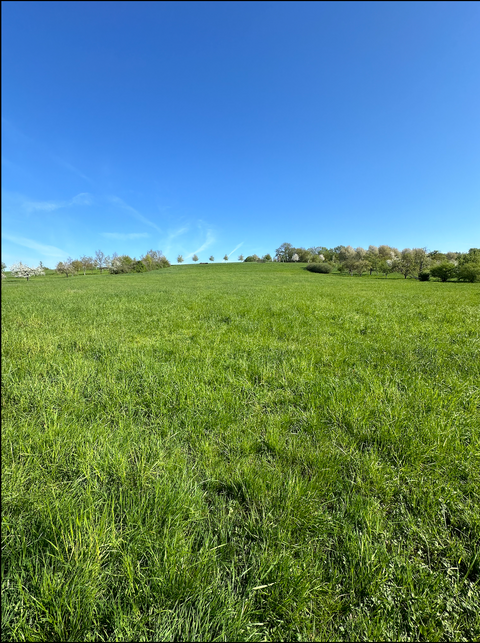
{"x":240,"y":452}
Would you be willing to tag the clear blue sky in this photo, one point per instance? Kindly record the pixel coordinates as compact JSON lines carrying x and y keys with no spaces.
{"x":232,"y":127}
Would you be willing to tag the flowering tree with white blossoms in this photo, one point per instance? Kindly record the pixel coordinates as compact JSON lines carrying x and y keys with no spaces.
{"x":295,"y":257}
{"x":21,"y":270}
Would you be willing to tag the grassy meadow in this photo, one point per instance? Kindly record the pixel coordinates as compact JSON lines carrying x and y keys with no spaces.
{"x":240,"y":452}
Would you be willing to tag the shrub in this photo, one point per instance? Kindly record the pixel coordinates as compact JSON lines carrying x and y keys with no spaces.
{"x":323,"y":268}
{"x":120,"y":265}
{"x":443,"y":271}
{"x":469,"y":272}
{"x":139,"y":266}
{"x":424,"y":275}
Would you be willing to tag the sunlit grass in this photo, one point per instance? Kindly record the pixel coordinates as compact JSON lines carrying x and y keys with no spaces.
{"x":240,"y":452}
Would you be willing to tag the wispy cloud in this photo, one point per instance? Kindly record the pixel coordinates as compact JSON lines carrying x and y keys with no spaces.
{"x":84,"y":198}
{"x":135,"y":213}
{"x":49,"y":251}
{"x":177,"y":233}
{"x":236,"y":248}
{"x":120,"y":236}
{"x":71,"y":168}
{"x":173,"y":234}
{"x":208,"y":242}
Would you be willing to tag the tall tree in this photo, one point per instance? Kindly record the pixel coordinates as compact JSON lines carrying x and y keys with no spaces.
{"x":87,"y":263}
{"x":284,"y":252}
{"x":195,"y":258}
{"x":65,"y":267}
{"x":101,"y":261}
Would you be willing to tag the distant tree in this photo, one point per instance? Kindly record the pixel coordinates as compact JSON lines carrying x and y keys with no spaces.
{"x":120,"y":265}
{"x":21,"y":270}
{"x":4,"y":267}
{"x":101,"y":261}
{"x":406,"y":263}
{"x":76,"y":265}
{"x":469,"y":265}
{"x":373,"y":258}
{"x":384,"y":252}
{"x":469,"y":271}
{"x":195,"y":258}
{"x":295,"y":257}
{"x":138,"y":266}
{"x":148,"y":261}
{"x":87,"y":263}
{"x":240,"y":257}
{"x":361,"y":266}
{"x":284,"y":252}
{"x":267,"y":257}
{"x":65,"y":267}
{"x":154,"y":260}
{"x":360,"y":253}
{"x":420,"y":259}
{"x":436,"y":255}
{"x":443,"y":271}
{"x":179,"y":259}
{"x":211,"y":258}
{"x":252,"y":259}
{"x":225,"y":258}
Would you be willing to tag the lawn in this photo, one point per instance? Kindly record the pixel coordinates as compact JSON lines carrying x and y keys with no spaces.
{"x":240,"y":452}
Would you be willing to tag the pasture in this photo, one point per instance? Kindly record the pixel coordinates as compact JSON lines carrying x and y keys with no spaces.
{"x":240,"y":452}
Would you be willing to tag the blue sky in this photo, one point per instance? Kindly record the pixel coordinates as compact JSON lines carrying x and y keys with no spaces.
{"x":232,"y":127}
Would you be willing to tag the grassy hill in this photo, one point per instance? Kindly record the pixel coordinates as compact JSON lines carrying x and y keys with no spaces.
{"x":240,"y":452}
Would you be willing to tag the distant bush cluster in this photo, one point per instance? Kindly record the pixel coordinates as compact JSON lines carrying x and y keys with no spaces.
{"x":116,"y":264}
{"x":416,"y":263}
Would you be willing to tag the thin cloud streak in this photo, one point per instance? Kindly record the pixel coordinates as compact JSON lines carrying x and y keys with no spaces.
{"x":210,"y":239}
{"x":84,"y":198}
{"x":118,"y":201}
{"x":71,"y":168}
{"x":236,"y":248}
{"x":49,"y":251}
{"x":177,"y":233}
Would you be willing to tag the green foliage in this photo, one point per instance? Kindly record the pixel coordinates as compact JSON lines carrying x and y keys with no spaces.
{"x":244,"y":453}
{"x":469,"y":271}
{"x":323,"y":268}
{"x":138,"y":266}
{"x":443,"y":271}
{"x":120,"y":265}
{"x":252,"y":258}
{"x":424,"y":275}
{"x":155,"y":259}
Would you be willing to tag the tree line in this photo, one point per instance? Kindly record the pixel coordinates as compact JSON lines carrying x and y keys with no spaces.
{"x":409,"y":262}
{"x":417,"y":263}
